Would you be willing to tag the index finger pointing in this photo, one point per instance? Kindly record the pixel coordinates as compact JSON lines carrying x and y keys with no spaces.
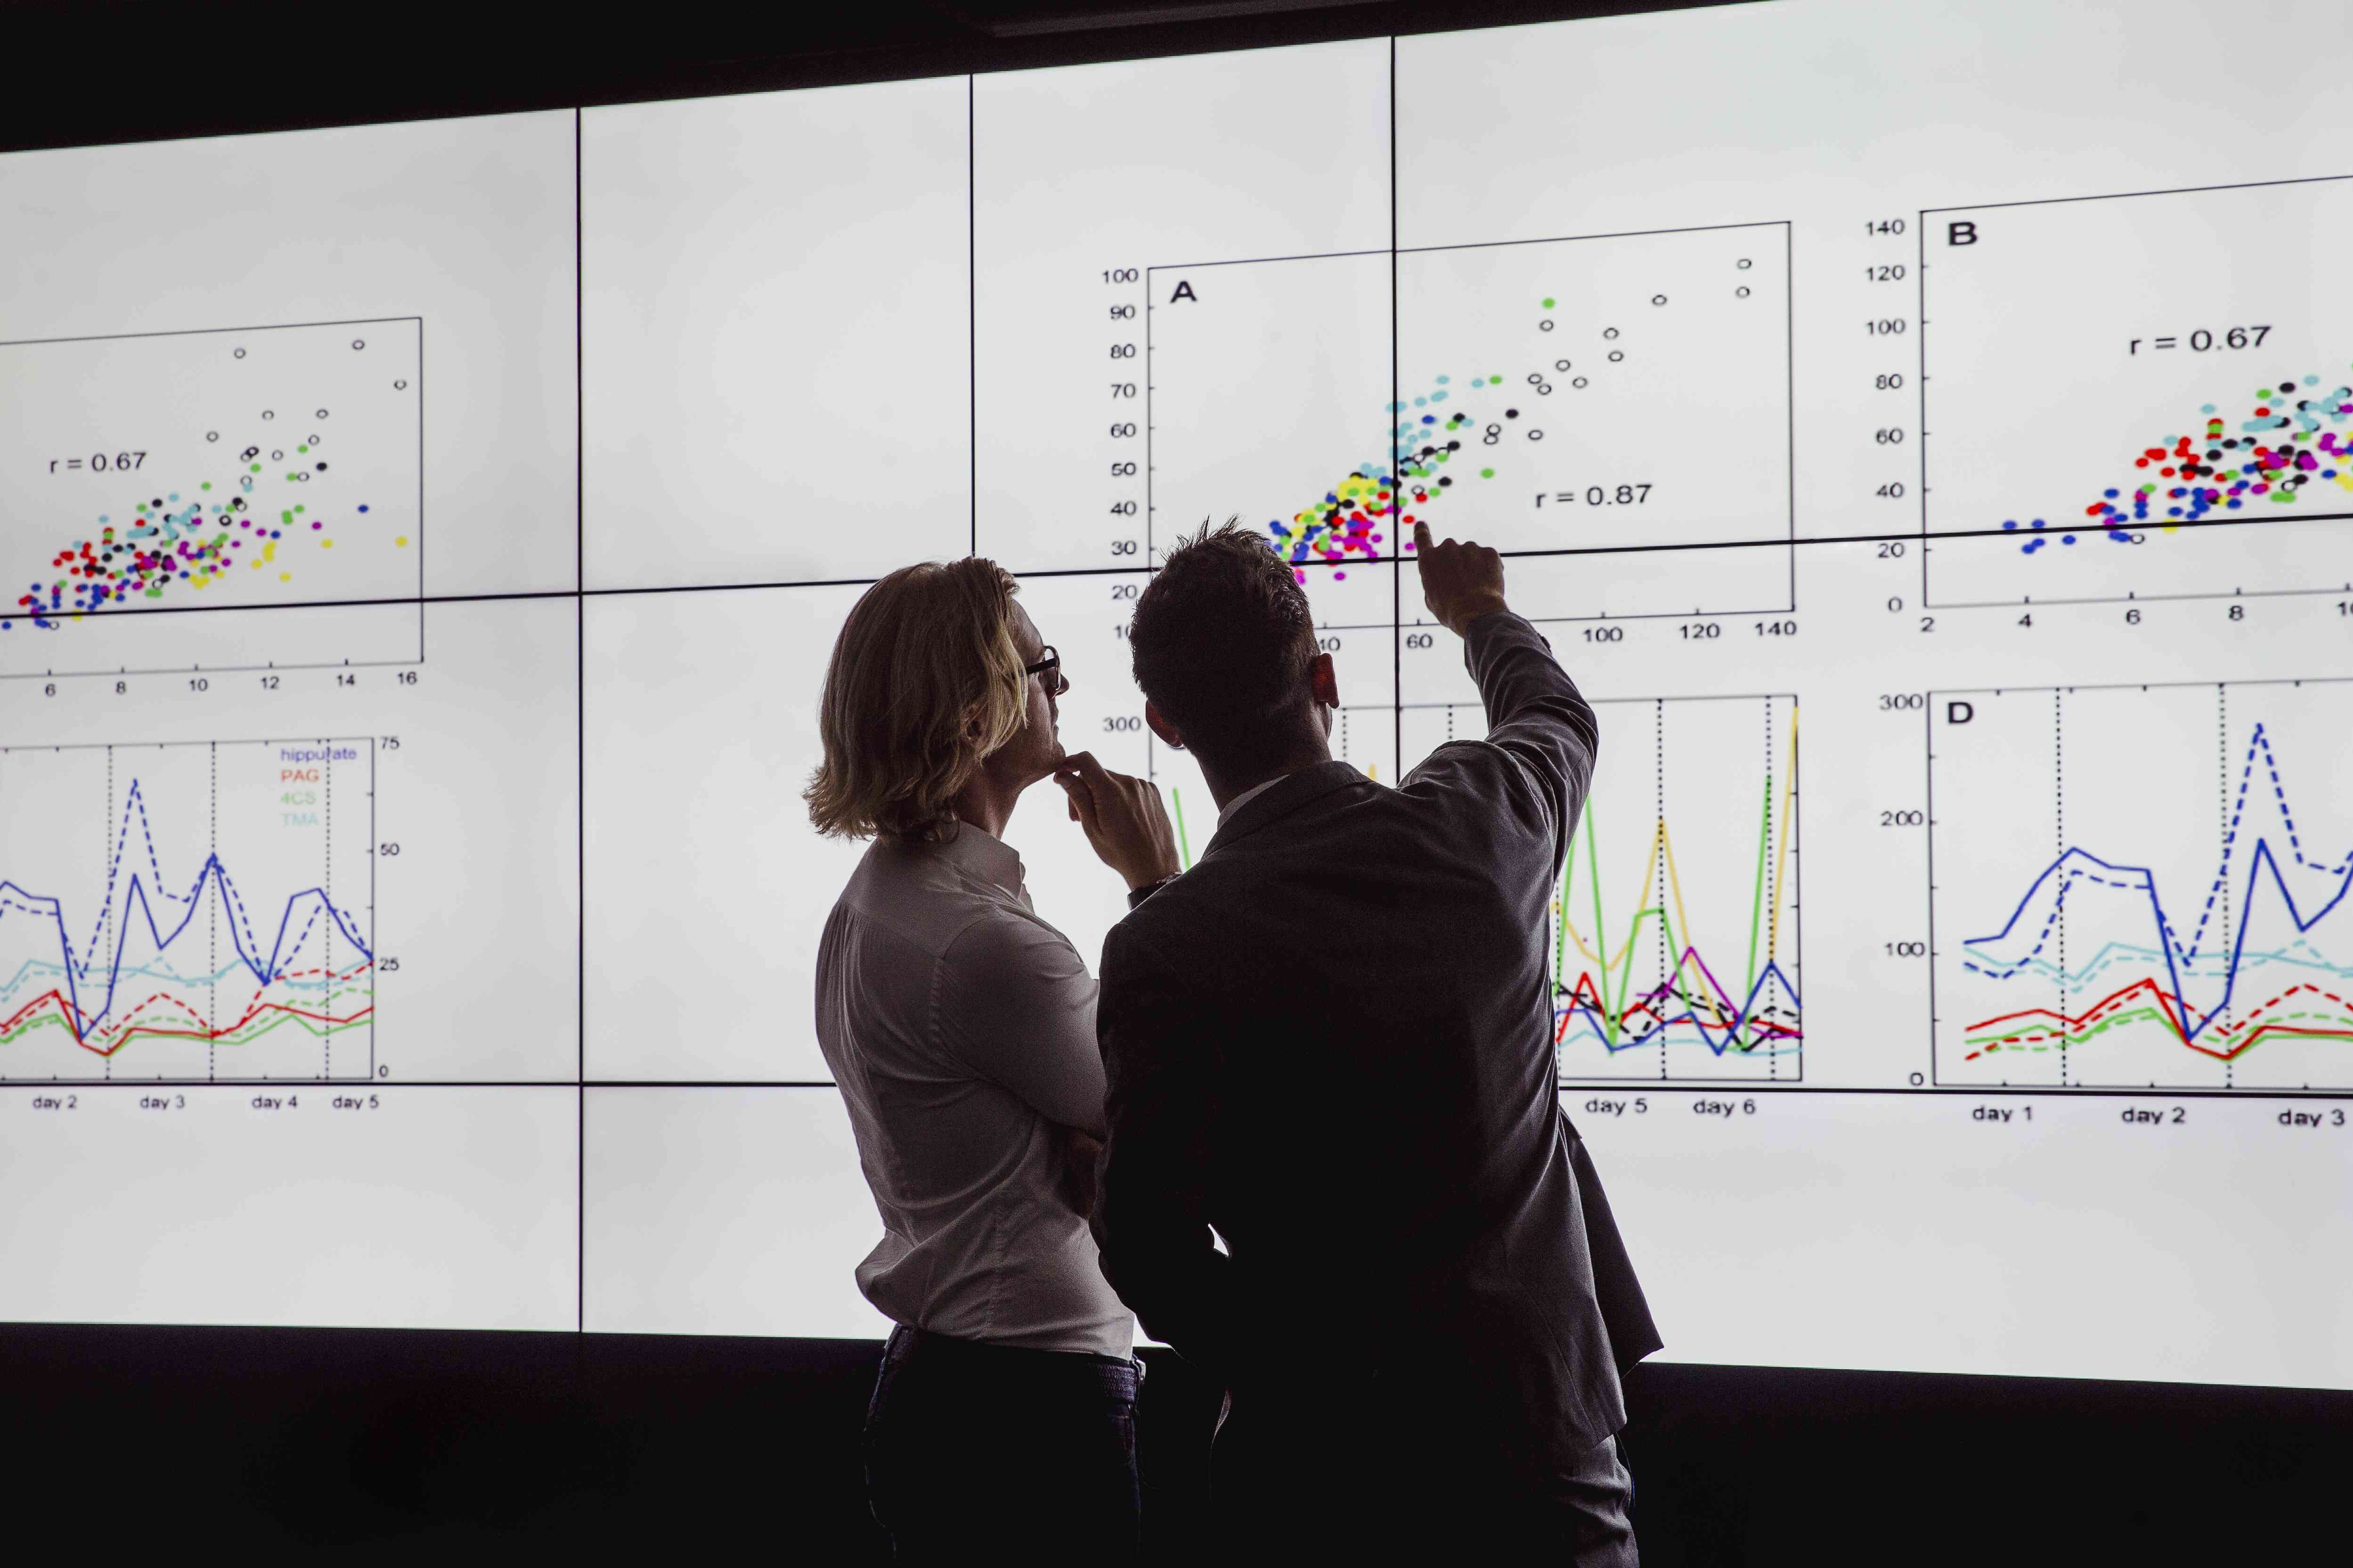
{"x":1421,"y":534}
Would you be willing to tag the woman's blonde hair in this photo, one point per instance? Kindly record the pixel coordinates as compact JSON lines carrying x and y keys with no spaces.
{"x":925,"y":681}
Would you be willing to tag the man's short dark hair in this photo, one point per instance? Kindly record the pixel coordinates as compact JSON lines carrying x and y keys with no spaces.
{"x":1221,"y":641}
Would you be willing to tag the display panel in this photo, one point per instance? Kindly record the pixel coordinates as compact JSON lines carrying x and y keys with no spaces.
{"x":1917,"y":432}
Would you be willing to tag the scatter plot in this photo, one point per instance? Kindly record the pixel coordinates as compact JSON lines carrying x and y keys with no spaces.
{"x":1564,"y":395}
{"x":2094,"y":426}
{"x":242,"y":471}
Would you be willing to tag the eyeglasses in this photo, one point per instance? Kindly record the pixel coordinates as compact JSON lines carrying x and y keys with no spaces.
{"x":1051,"y":666}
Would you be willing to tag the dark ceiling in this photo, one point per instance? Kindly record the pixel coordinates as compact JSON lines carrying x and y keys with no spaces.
{"x":119,"y":70}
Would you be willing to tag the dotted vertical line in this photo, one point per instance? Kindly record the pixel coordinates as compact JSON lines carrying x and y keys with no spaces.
{"x":107,"y":861}
{"x":327,"y":881}
{"x":2058,"y":828}
{"x":212,"y":915}
{"x":1658,"y":873}
{"x":1770,"y":1006}
{"x":1343,"y":734}
{"x":2222,"y":816}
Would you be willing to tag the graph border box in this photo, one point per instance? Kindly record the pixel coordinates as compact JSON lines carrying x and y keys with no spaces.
{"x":418,"y":598}
{"x":1928,"y":535}
{"x":1787,"y":540}
{"x":1935,"y":1083}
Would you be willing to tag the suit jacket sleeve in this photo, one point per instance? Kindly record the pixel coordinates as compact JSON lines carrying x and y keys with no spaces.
{"x":1542,"y":737}
{"x":1153,"y":1196}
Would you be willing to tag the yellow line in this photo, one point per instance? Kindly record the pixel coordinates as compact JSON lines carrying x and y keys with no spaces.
{"x":1635,"y":933}
{"x":1781,"y":855}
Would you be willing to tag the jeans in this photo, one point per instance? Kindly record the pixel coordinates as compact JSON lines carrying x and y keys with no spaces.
{"x":971,"y":1447}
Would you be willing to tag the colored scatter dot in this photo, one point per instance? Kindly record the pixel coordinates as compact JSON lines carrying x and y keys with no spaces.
{"x":1486,"y":473}
{"x":286,"y":576}
{"x":401,"y":539}
{"x":2010,"y":522}
{"x":206,"y":485}
{"x":256,"y":467}
{"x":1444,"y":379}
{"x":1547,"y":304}
{"x":326,"y":544}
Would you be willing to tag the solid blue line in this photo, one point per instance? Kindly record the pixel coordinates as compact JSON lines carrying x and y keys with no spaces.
{"x":136,"y":891}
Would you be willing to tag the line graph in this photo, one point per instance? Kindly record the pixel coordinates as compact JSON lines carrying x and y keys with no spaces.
{"x":2182,"y":934}
{"x":219,"y":926}
{"x":1674,"y":948}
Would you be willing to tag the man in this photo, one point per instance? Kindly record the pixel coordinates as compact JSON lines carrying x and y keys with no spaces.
{"x":1330,"y":1043}
{"x":960,"y":1026}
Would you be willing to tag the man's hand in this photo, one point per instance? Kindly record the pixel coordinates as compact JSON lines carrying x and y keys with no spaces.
{"x":1124,"y":820}
{"x":1459,"y":583}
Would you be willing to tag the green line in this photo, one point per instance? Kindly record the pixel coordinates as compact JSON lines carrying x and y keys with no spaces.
{"x":234,"y":1037}
{"x":1183,"y":849}
{"x":1600,"y":929}
{"x":1756,"y":900}
{"x":1633,"y":942}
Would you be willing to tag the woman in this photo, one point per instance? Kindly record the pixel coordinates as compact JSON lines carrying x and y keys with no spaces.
{"x":961,"y":1026}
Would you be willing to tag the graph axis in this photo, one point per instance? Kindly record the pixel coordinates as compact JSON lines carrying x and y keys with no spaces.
{"x":1928,"y":545}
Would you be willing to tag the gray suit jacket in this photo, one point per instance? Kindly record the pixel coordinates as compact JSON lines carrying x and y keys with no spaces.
{"x":1331,"y":1041}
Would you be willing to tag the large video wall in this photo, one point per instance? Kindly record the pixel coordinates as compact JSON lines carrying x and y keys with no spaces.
{"x":1923,"y":431}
